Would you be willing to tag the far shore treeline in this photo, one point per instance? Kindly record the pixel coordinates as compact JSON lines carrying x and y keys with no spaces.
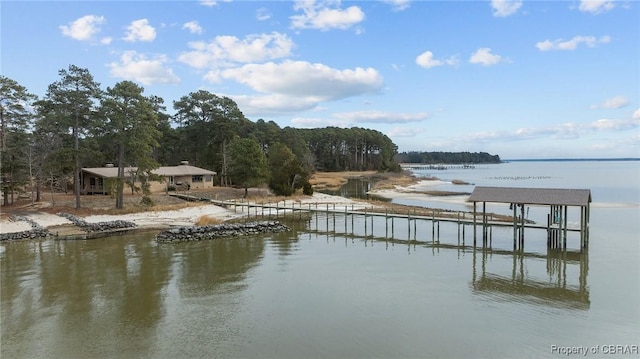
{"x":446,"y":157}
{"x":47,"y":139}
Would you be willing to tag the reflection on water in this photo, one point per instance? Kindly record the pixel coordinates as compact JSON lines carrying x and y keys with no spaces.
{"x":356,"y":188}
{"x":561,"y":288}
{"x":289,"y":295}
{"x":561,"y":282}
{"x":109,"y":297}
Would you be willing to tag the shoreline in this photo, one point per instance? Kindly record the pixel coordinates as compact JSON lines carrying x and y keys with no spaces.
{"x":158,"y":220}
{"x":390,"y":186}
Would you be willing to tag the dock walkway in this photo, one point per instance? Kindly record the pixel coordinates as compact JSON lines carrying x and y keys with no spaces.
{"x":461,"y":219}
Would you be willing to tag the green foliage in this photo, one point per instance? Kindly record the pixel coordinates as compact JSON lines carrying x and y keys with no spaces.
{"x":147,"y":201}
{"x":446,"y":157}
{"x":307,"y":189}
{"x":287,"y":174}
{"x":131,"y":122}
{"x":206,"y":125}
{"x":70,"y":106}
{"x":15,"y":119}
{"x":350,"y":149}
{"x":247,"y":163}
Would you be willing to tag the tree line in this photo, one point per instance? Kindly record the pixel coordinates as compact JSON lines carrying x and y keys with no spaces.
{"x":446,"y":157}
{"x":45,"y":141}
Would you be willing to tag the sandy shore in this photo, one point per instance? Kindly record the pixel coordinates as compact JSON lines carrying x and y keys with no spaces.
{"x":164,"y":219}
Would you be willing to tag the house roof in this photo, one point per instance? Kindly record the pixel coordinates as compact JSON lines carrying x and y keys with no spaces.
{"x":541,"y":196}
{"x":181,"y":170}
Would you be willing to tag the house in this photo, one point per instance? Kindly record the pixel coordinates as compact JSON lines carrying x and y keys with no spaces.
{"x":96,"y":180}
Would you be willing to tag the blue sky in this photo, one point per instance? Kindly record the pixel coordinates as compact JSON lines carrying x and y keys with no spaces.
{"x":522,"y":79}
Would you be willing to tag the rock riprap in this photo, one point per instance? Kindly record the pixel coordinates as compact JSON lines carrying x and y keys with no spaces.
{"x":36,"y":230}
{"x":98,"y":226}
{"x":198,"y":233}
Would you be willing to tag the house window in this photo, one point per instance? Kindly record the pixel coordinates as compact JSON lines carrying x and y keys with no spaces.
{"x":197,"y":178}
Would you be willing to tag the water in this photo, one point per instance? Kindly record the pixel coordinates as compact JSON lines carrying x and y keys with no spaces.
{"x":318,"y":292}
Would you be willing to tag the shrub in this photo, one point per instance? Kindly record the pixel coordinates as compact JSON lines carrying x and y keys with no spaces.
{"x":307,"y":189}
{"x":146,"y":201}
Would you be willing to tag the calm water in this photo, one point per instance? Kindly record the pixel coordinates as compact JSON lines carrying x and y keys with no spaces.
{"x":318,"y":292}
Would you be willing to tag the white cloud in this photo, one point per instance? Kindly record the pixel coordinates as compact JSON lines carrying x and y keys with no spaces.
{"x":614,"y":102}
{"x":350,"y":119}
{"x":304,"y":79}
{"x":263,"y":14}
{"x":401,"y":131}
{"x":559,"y":44}
{"x":140,"y":30}
{"x":636,"y":114}
{"x":380,"y":117}
{"x":227,"y":50}
{"x":483,"y":56}
{"x":193,"y":27}
{"x":85,"y":29}
{"x":614,"y":125}
{"x":318,"y":122}
{"x":325,"y":15}
{"x":273,"y":104}
{"x":568,"y":130}
{"x":137,"y":67}
{"x":209,"y":3}
{"x":398,"y":5}
{"x":504,"y":8}
{"x":596,"y":6}
{"x":427,"y":60}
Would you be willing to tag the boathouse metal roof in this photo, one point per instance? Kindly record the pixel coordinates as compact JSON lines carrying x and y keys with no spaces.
{"x":540,"y":196}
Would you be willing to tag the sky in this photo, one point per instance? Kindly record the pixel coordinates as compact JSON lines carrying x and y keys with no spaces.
{"x":521,"y":79}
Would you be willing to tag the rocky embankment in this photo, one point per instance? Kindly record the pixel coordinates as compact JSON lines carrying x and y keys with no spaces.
{"x":36,"y":231}
{"x":98,"y":226}
{"x":198,"y":233}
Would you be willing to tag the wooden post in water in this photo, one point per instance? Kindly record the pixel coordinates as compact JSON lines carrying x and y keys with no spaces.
{"x":565,"y":227}
{"x":522,"y":232}
{"x":392,"y":232}
{"x":345,"y":220}
{"x":484,"y":223}
{"x":326,"y":213}
{"x":365,"y":222}
{"x":409,"y":225}
{"x":433,"y":226}
{"x":386,"y":223}
{"x":474,"y":224}
{"x":372,"y":218}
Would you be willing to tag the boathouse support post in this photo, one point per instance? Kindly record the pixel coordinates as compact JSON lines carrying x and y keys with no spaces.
{"x":565,"y":226}
{"x":484,"y":223}
{"x":474,"y":224}
{"x":408,"y":225}
{"x":515,"y":224}
{"x":522,"y":231}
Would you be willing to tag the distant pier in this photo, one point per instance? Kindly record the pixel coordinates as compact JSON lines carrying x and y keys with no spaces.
{"x":437,"y":167}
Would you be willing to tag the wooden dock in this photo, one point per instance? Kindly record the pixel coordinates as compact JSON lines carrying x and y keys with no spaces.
{"x":392,"y":221}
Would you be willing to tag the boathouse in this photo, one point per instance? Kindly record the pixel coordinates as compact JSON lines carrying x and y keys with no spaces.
{"x":558,"y":200}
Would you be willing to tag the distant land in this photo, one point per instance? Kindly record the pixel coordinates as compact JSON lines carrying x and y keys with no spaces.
{"x":571,"y":159}
{"x":446,"y":157}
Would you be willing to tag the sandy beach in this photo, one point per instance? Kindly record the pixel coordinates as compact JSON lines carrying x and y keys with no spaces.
{"x":170,"y":211}
{"x":169,"y":218}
